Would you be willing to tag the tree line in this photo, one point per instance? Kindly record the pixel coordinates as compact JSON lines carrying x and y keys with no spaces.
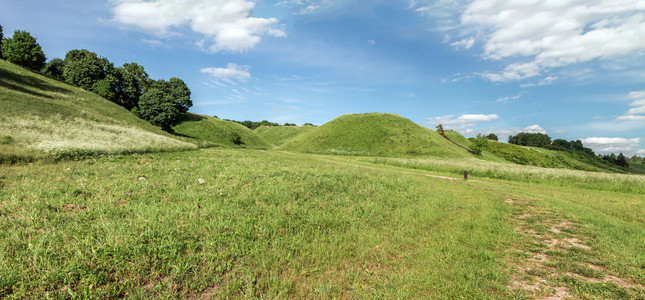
{"x":542,"y":140}
{"x":161,"y":102}
{"x":253,"y":125}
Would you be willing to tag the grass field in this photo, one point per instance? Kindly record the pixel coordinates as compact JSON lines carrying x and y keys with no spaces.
{"x":43,"y":118}
{"x":219,"y":132}
{"x":278,"y":135}
{"x":266,"y":224}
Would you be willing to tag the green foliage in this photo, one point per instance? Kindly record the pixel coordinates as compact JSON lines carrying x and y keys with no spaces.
{"x":253,"y":125}
{"x":106,"y":88}
{"x":530,"y":139}
{"x":373,"y":134}
{"x":622,"y":161}
{"x":492,"y":137}
{"x":83,"y":68}
{"x":22,"y":49}
{"x":219,"y":132}
{"x":1,"y":40}
{"x":164,"y":103}
{"x":479,"y":144}
{"x":54,"y":68}
{"x":132,"y":81}
{"x":6,"y":140}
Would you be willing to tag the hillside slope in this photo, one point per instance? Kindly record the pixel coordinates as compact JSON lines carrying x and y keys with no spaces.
{"x":373,"y":134}
{"x":278,"y":135}
{"x":44,"y":117}
{"x":214,"y":130}
{"x":497,"y":151}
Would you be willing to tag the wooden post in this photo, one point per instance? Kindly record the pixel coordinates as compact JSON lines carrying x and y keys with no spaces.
{"x":465,"y":175}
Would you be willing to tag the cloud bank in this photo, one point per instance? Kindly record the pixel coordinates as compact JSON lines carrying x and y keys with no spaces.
{"x":226,"y":24}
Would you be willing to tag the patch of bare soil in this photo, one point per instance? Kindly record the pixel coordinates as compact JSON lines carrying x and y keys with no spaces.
{"x":548,"y":234}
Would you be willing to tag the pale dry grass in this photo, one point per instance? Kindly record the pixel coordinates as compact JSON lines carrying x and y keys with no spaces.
{"x":61,"y":136}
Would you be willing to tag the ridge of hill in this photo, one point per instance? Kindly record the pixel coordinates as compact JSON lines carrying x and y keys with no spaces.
{"x":278,"y":135}
{"x":373,"y":134}
{"x":534,"y":156}
{"x":220,"y":132}
{"x":42,"y":117}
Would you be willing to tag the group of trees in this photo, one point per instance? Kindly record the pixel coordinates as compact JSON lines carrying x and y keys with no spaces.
{"x":159,"y":101}
{"x":620,"y":160}
{"x":253,"y":125}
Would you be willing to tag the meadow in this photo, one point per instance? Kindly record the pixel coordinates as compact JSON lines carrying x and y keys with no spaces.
{"x":246,"y":223}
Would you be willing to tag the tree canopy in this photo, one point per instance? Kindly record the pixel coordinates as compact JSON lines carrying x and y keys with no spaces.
{"x":54,"y":69}
{"x":22,"y":49}
{"x":164,"y":103}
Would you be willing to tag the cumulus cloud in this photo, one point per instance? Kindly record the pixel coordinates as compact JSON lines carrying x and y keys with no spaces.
{"x":232,"y":73}
{"x":461,"y":122}
{"x":534,"y":129}
{"x":637,"y":112}
{"x":541,"y":35}
{"x":227,"y":24}
{"x":612,"y":145}
{"x":464,"y":44}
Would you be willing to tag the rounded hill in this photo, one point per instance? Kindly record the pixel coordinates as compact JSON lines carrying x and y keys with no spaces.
{"x":220,"y":132}
{"x":373,"y":134}
{"x":278,"y":135}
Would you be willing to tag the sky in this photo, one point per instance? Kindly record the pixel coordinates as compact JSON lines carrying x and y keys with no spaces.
{"x":574,"y":69}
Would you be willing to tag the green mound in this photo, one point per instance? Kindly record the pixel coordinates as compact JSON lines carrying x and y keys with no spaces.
{"x":279,"y":135}
{"x":42,"y":117}
{"x":220,"y":132}
{"x":373,"y":134}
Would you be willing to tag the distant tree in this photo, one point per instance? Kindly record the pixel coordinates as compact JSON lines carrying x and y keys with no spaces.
{"x":22,"y":49}
{"x":54,"y":69}
{"x":290,"y":124}
{"x":622,"y":161}
{"x":440,"y":130}
{"x":479,"y":144}
{"x":1,"y":38}
{"x":164,"y":103}
{"x":308,"y":124}
{"x":530,"y":139}
{"x":83,"y":68}
{"x":492,"y":137}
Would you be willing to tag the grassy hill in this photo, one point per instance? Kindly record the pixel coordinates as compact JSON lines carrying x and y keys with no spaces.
{"x":373,"y":134}
{"x":42,"y":117}
{"x":224,"y":133}
{"x":533,"y":156}
{"x":279,"y":135}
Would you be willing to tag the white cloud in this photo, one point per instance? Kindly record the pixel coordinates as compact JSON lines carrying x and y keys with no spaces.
{"x":636,"y":95}
{"x":534,"y":129}
{"x":464,"y":44}
{"x":231,"y":74}
{"x":507,"y":99}
{"x":541,"y":35}
{"x":461,"y":122}
{"x":227,"y":24}
{"x":637,"y":113}
{"x":612,"y":145}
{"x":307,"y":10}
{"x":638,"y":103}
{"x":371,"y":42}
{"x":545,"y":81}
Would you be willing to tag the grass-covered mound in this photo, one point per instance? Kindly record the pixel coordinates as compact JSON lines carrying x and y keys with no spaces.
{"x":220,"y":132}
{"x":42,"y":117}
{"x":373,"y":134}
{"x":279,"y":135}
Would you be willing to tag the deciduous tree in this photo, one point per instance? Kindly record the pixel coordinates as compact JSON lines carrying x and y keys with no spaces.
{"x":22,"y":49}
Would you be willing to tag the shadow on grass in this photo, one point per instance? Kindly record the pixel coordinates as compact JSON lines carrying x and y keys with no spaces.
{"x":20,"y":83}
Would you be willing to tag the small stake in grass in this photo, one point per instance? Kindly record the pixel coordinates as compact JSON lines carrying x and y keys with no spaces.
{"x":465,"y":175}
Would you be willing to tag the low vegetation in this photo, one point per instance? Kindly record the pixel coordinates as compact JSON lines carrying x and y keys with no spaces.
{"x":219,"y":132}
{"x":278,"y":135}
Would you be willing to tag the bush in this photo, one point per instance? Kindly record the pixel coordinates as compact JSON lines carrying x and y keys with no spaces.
{"x":23,"y":50}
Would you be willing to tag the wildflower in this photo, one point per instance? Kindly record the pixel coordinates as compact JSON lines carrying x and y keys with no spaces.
{"x":201,"y":181}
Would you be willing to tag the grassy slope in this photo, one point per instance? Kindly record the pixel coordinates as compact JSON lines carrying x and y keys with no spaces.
{"x":373,"y":134}
{"x":219,"y":131}
{"x":239,"y":223}
{"x":46,"y":116}
{"x":533,"y":156}
{"x":278,"y":135}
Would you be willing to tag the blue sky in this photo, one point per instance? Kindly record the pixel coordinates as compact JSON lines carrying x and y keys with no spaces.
{"x":571,"y":69}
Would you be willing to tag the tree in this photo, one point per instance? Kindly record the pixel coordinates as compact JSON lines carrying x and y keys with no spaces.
{"x":132,"y":80}
{"x":106,"y":88}
{"x":622,"y":161}
{"x":1,"y":38}
{"x":492,"y":137}
{"x":530,"y":139}
{"x":83,"y":68}
{"x":164,"y":103}
{"x":479,"y":144}
{"x":54,"y":69}
{"x":22,"y":49}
